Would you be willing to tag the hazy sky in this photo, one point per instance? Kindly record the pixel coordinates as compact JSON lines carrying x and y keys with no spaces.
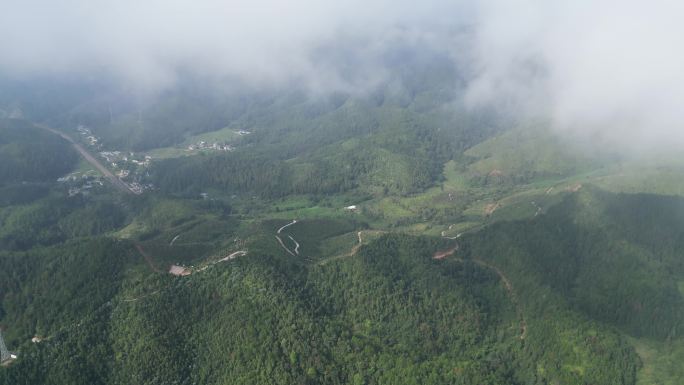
{"x":146,"y":42}
{"x":608,"y":66}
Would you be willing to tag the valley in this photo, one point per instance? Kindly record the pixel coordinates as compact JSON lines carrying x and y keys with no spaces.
{"x":115,"y":181}
{"x":341,"y":193}
{"x":402,"y":246}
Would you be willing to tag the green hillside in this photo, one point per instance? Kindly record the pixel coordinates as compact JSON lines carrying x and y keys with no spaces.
{"x":391,"y":314}
{"x":29,"y":154}
{"x":615,"y":258}
{"x":363,"y":240}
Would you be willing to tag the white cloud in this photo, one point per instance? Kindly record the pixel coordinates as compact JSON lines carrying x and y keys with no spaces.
{"x":612,"y":67}
{"x":147,"y":42}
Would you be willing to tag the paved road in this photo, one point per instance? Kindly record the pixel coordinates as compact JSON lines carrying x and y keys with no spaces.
{"x":118,"y":183}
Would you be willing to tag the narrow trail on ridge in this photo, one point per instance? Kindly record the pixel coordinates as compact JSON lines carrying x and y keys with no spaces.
{"x":354,"y":248}
{"x":502,"y":277}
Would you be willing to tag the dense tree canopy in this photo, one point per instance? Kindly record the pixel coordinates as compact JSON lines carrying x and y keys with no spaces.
{"x":29,"y":154}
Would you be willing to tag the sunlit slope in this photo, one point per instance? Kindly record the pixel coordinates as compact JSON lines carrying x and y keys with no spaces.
{"x":389,"y":314}
{"x":616,"y":258}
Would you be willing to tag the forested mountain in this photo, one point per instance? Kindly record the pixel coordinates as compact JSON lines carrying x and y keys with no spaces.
{"x":390,"y":315}
{"x":384,"y":238}
{"x":396,"y":157}
{"x":548,"y":299}
{"x":29,"y":154}
{"x":616,"y":258}
{"x":318,"y":192}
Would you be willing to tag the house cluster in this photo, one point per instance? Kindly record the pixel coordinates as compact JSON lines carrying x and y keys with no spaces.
{"x":112,"y":157}
{"x":85,"y":188}
{"x":179,"y":271}
{"x":88,"y":135}
{"x":138,"y":188}
{"x":202,"y":145}
{"x":125,"y":164}
{"x":139,"y":162}
{"x":81,"y":183}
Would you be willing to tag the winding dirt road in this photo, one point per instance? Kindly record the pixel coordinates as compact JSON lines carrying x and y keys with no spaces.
{"x":148,"y":258}
{"x":511,"y":294}
{"x":280,"y":230}
{"x":354,"y":248}
{"x":296,"y":249}
{"x":282,"y":244}
{"x":174,"y":240}
{"x":506,"y":282}
{"x":234,"y":255}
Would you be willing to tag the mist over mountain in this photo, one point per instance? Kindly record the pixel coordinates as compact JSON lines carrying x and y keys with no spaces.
{"x":609,"y":70}
{"x":357,"y":192}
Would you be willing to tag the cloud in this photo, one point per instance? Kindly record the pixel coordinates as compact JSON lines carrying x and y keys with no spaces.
{"x":146,"y":43}
{"x":610,"y":68}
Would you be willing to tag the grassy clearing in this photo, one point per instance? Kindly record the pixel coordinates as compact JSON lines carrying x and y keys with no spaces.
{"x":339,"y":245}
{"x":311,"y":212}
{"x":132,"y":230}
{"x":454,"y":177}
{"x":662,"y":362}
{"x":533,"y":151}
{"x":655,"y":181}
{"x":84,"y":167}
{"x":169,"y":152}
{"x":224,"y":135}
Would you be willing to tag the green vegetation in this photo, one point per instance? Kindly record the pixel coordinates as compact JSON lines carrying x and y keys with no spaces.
{"x":614,"y":257}
{"x":557,"y":266}
{"x":225,"y":135}
{"x":530,"y":153}
{"x":28,"y":154}
{"x":52,"y":220}
{"x":326,"y":158}
{"x":389,"y":315}
{"x":662,"y":361}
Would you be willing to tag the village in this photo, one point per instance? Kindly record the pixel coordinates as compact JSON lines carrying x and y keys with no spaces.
{"x":202,"y":145}
{"x":128,"y":167}
{"x":88,"y":136}
{"x":81,"y":182}
{"x":120,"y":162}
